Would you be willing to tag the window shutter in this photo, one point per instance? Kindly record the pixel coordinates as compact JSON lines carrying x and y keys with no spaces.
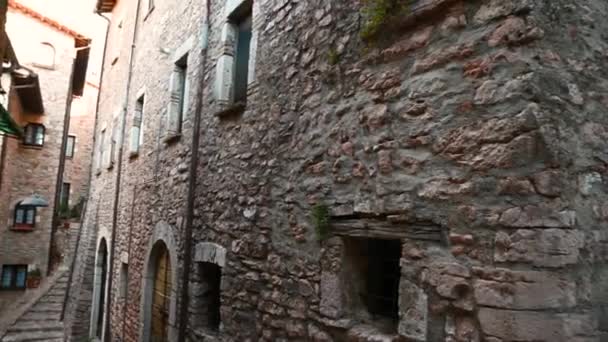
{"x":174,"y":107}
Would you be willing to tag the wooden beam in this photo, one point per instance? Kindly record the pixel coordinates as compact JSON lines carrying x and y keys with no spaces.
{"x":376,"y":228}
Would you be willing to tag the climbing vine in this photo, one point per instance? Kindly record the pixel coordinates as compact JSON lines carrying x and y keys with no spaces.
{"x":377,"y":14}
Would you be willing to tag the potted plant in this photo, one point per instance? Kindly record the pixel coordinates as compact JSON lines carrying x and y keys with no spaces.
{"x":33,"y":278}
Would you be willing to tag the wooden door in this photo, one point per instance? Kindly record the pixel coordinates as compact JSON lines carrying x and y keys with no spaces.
{"x":161,"y":297}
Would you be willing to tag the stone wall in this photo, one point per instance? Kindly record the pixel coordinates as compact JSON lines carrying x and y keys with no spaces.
{"x":472,"y":132}
{"x":468,"y":120}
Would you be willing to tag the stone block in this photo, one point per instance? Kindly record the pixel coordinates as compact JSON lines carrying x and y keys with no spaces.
{"x":413,"y":315}
{"x":529,"y":290}
{"x":541,"y":247}
{"x":511,"y":325}
{"x":331,"y":295}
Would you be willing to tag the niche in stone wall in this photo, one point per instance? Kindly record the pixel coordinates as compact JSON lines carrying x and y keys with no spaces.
{"x":360,"y":282}
{"x":371,"y":274}
{"x":209,"y":299}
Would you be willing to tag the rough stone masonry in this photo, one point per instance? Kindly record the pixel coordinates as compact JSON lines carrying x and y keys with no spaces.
{"x":471,"y":133}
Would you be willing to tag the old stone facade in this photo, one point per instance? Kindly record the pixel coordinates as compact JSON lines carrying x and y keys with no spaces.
{"x":440,"y":180}
{"x":31,"y":165}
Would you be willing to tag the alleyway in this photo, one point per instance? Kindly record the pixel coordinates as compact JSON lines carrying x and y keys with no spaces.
{"x":41,"y":322}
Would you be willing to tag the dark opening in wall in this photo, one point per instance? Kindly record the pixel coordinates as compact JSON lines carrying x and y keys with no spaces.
{"x":211,"y":275}
{"x":383,"y":278}
{"x":371,"y":276}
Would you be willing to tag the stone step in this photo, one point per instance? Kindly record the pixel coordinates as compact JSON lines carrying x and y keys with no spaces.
{"x":46,"y":308}
{"x":35,"y":326}
{"x":51,"y":300}
{"x":38,"y":316}
{"x":27,"y":336}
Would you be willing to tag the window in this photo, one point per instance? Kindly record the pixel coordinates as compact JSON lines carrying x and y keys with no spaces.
{"x":25,"y":217}
{"x":65,"y":195}
{"x":383,"y":278}
{"x":69,"y":146}
{"x":370,"y":281}
{"x":137,"y":132}
{"x":33,"y":135}
{"x":124,"y":280}
{"x":13,"y":277}
{"x":113,"y":140}
{"x":211,"y":275}
{"x":243,"y":42}
{"x":100,"y":149}
{"x":149,"y":7}
{"x":45,"y":56}
{"x":235,"y":65}
{"x":179,"y":97}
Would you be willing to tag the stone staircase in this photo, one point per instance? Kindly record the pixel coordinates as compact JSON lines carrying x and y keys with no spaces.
{"x":42,"y":321}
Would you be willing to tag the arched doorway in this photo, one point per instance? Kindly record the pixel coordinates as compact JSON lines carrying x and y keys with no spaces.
{"x":160,"y":300}
{"x":99,"y":290}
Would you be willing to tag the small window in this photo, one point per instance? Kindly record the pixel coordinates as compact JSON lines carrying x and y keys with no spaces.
{"x":124,"y":280}
{"x":113,"y":141}
{"x":33,"y":135}
{"x":371,"y":280}
{"x":137,"y":132}
{"x":149,"y":8}
{"x":65,"y":195}
{"x":45,"y":56}
{"x":25,"y":217}
{"x":100,"y":149}
{"x":69,"y":146}
{"x":243,"y":43}
{"x":13,"y":277}
{"x":211,"y":275}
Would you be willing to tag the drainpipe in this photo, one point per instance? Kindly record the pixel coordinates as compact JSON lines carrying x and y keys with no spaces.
{"x":60,"y":168}
{"x":75,"y":252}
{"x":108,"y":332}
{"x":187,"y":238}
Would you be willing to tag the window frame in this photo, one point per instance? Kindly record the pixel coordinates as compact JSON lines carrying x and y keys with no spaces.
{"x":24,"y":225}
{"x":69,"y":153}
{"x":14,"y":269}
{"x":149,"y":8}
{"x":33,"y":134}
{"x":100,"y":150}
{"x":135,"y":143}
{"x":243,"y":18}
{"x":229,"y":102}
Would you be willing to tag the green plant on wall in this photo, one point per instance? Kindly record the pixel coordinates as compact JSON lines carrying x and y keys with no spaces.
{"x":64,"y":211}
{"x":377,"y":14}
{"x":320,"y":219}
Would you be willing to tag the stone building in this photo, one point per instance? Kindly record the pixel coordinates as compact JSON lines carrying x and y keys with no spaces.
{"x":315,"y":170}
{"x":45,"y":80}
